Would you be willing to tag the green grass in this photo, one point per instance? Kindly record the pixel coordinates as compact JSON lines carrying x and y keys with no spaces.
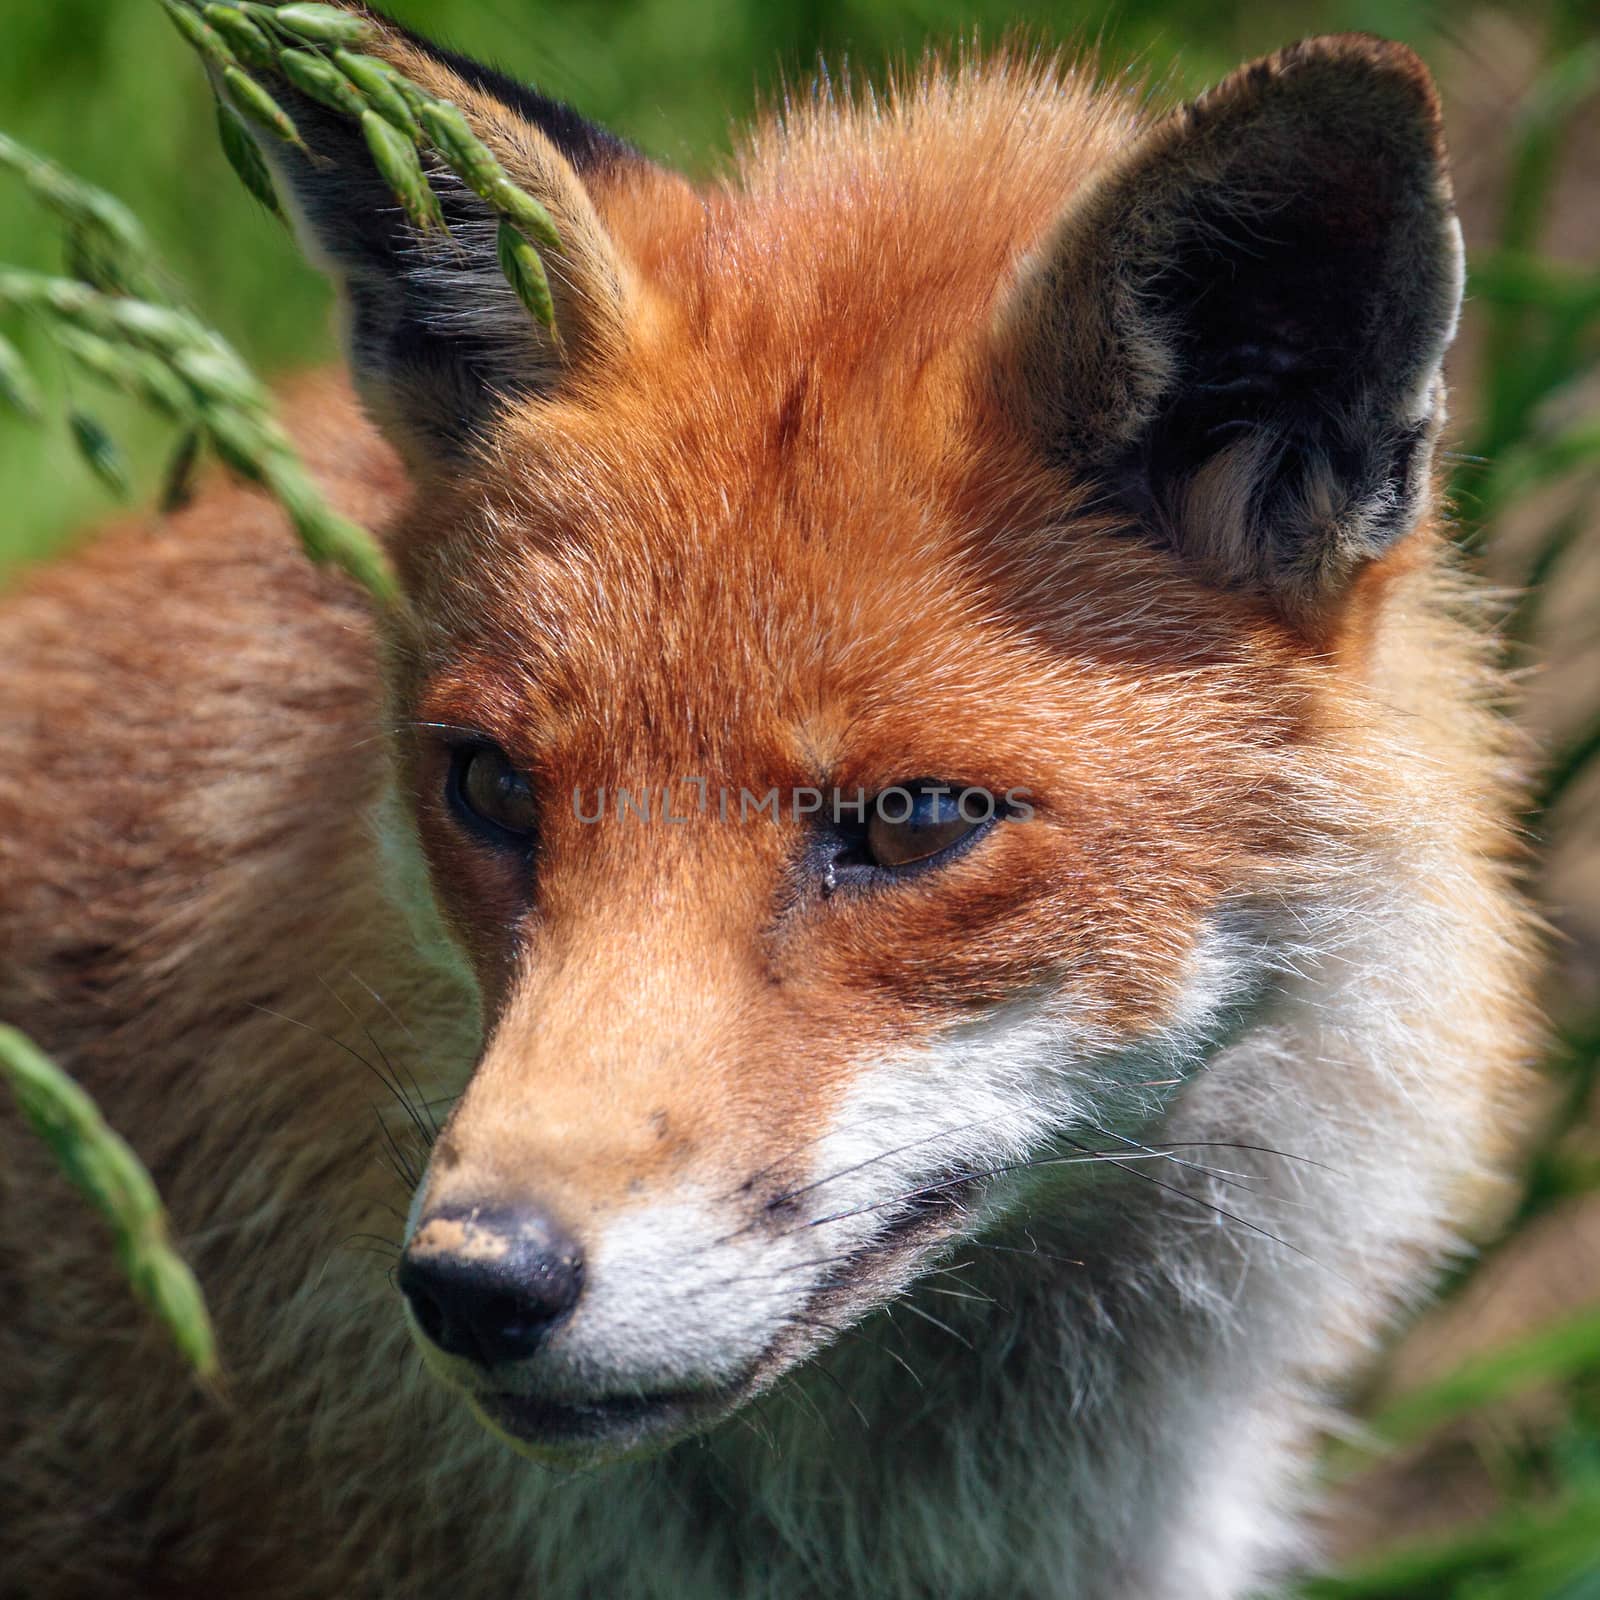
{"x":113,"y":1179}
{"x":110,"y":92}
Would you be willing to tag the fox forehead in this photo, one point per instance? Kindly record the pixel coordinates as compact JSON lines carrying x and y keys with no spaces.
{"x":784,"y":664}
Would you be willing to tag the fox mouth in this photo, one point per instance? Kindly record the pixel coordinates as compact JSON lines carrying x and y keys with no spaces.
{"x":592,"y":1430}
{"x":604,"y":1427}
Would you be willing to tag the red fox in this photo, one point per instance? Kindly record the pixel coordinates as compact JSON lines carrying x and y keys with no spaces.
{"x":948,"y":671}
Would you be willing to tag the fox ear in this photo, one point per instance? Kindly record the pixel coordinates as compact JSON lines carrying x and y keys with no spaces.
{"x":437,"y":339}
{"x":1237,"y":331}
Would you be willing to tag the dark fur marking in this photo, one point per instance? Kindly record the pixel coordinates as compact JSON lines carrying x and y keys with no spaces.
{"x":1285,"y":243}
{"x":425,"y":364}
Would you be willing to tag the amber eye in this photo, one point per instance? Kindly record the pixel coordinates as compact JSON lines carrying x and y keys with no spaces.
{"x":914,"y":822}
{"x":491,"y":795}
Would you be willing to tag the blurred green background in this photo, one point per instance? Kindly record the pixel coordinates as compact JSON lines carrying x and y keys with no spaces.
{"x":1490,"y":1487}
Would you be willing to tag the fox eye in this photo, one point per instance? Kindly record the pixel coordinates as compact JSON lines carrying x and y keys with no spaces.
{"x":914,"y":822}
{"x":491,"y":795}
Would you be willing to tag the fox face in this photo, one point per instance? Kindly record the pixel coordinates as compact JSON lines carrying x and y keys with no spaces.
{"x":866,"y":933}
{"x":873,"y":693}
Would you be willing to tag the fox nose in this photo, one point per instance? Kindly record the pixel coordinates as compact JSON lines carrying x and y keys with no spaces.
{"x":489,"y":1285}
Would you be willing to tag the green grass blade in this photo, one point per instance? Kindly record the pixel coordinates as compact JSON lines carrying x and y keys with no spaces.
{"x":104,"y":1167}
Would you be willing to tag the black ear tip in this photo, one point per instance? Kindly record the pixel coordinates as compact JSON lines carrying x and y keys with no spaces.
{"x":1349,"y":115}
{"x":1345,"y":75}
{"x":1361,"y":52}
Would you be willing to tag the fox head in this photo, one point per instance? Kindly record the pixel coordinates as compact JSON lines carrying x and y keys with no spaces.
{"x":867,"y":682}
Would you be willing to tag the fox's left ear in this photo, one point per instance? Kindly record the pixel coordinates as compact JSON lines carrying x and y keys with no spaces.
{"x":1236,"y":332}
{"x":437,"y":339}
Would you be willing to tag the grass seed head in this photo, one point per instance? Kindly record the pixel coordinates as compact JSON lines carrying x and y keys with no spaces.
{"x":93,"y":259}
{"x":321,"y":81}
{"x":99,"y":216}
{"x":177,"y":482}
{"x":104,"y":1167}
{"x":465,"y":153}
{"x":216,"y":376}
{"x":377,"y":81}
{"x":86,"y":260}
{"x":326,"y":537}
{"x":476,"y":165}
{"x":396,"y":159}
{"x":64,"y":1116}
{"x":413,"y":96}
{"x":163,"y":1280}
{"x":137,"y":372}
{"x":164,"y":329}
{"x":200,"y":34}
{"x":254,"y":103}
{"x":247,"y":41}
{"x":239,"y":441}
{"x":322,"y":24}
{"x":524,"y":271}
{"x":530,"y":217}
{"x":245,"y":157}
{"x":167,"y":357}
{"x":55,"y":299}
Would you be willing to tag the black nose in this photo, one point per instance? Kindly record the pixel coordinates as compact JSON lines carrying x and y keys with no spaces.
{"x":488,"y":1285}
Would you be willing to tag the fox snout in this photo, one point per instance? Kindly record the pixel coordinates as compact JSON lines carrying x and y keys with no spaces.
{"x":488,"y":1284}
{"x":583,"y":1249}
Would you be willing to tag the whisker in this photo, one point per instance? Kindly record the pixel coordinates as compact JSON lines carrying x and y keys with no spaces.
{"x":1123,"y":1161}
{"x":894,"y":1355}
{"x":886,"y":1155}
{"x":746,"y":1418}
{"x":367,"y":1250}
{"x":751,"y":1179}
{"x":849,"y":1399}
{"x":959,"y":1179}
{"x":1164,"y":1151}
{"x":385,"y":730}
{"x":1229,"y":1216}
{"x":797,"y":1389}
{"x":406,"y":1347}
{"x":389,"y":1011}
{"x":1017,"y":1250}
{"x":928,"y":1316}
{"x":374,"y":1239}
{"x":390,"y":1164}
{"x":960,"y":1294}
{"x":777,"y":1272}
{"x":393,"y":1077}
{"x":332,"y":1038}
{"x":1253,"y":1149}
{"x":401,"y":1163}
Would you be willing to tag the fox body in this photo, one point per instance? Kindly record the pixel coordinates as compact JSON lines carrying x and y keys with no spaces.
{"x":818,"y":1199}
